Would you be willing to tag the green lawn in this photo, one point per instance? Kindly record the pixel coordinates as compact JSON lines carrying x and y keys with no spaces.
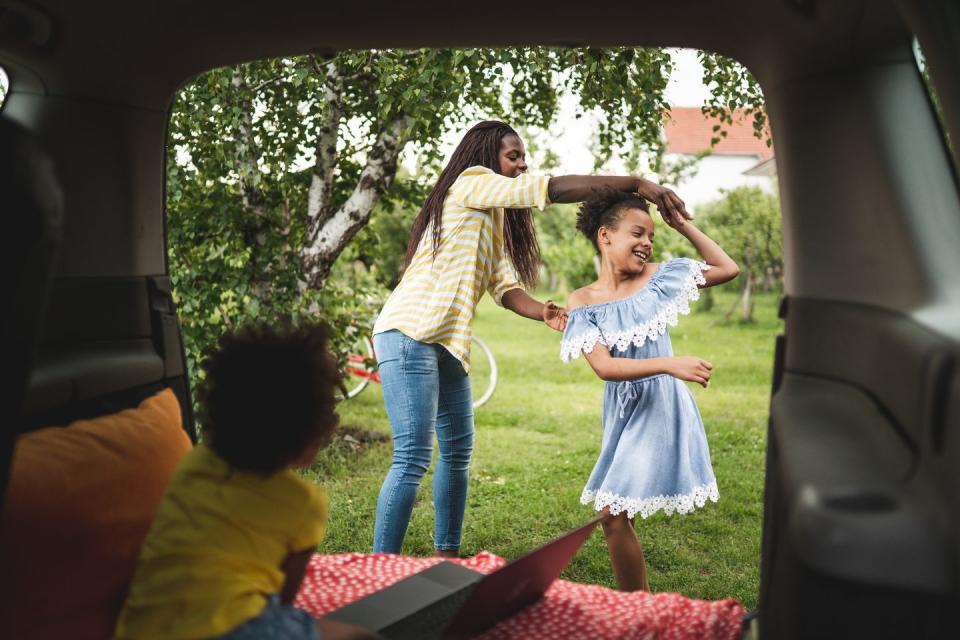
{"x":536,"y":442}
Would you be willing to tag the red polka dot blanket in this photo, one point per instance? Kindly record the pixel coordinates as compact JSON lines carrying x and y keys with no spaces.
{"x":568,"y":609}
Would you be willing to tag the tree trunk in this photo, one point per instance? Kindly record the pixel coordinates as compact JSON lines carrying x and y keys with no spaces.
{"x":246,"y":158}
{"x":746,"y":300}
{"x":319,"y":210}
{"x":332,"y":235}
{"x":733,"y":307}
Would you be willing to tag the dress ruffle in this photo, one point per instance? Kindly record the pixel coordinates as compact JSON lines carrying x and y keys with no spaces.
{"x":585,"y":326}
{"x":646,"y":507}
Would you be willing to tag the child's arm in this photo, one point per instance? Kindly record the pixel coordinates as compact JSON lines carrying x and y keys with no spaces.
{"x":722,"y":266}
{"x":612,"y":369}
{"x":294,"y":568}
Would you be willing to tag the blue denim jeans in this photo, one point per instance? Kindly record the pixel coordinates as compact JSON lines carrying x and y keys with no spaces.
{"x":425,"y":389}
{"x":280,"y":621}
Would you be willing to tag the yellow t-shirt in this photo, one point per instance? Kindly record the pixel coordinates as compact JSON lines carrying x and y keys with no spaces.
{"x":436,"y":299}
{"x":213,"y":554}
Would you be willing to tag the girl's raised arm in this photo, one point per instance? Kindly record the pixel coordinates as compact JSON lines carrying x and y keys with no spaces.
{"x":722,"y":266}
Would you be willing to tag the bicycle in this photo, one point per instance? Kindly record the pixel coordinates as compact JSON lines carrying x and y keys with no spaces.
{"x":361,"y":369}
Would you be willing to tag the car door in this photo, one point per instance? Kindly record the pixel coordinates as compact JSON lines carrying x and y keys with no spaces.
{"x":862,"y":497}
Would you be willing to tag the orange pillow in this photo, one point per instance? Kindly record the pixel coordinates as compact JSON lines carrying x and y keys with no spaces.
{"x":78,"y":507}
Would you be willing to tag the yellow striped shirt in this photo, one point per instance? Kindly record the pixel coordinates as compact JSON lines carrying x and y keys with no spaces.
{"x":436,"y":299}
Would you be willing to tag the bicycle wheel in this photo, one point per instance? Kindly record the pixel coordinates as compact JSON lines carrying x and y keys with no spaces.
{"x":483,"y":370}
{"x":360,"y":367}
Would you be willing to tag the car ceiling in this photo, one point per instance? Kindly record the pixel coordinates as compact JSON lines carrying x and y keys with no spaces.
{"x":137,"y":53}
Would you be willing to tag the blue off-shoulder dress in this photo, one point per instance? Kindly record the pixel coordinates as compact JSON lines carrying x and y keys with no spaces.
{"x":654,"y":454}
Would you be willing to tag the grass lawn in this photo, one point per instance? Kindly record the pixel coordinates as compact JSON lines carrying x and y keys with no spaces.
{"x":538,"y":438}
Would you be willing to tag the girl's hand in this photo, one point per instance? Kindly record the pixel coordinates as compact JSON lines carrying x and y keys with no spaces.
{"x":668,"y":203}
{"x":691,"y":369}
{"x":555,"y":317}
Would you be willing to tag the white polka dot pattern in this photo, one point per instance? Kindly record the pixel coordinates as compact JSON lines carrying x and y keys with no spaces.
{"x":568,"y":609}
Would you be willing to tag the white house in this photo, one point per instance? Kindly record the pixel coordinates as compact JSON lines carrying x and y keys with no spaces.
{"x":738,"y":159}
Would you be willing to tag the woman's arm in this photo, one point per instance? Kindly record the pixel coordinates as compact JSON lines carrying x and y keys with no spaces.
{"x":578,"y":188}
{"x":722,"y":266}
{"x":520,"y":302}
{"x":611,"y":369}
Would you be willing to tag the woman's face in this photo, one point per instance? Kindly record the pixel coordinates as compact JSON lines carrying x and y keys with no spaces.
{"x":513,"y":157}
{"x":630,"y":244}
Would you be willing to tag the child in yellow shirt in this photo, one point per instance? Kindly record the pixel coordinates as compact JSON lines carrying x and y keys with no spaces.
{"x":234,"y":533}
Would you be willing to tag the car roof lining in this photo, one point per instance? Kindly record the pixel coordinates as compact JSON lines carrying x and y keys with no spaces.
{"x":143,"y":53}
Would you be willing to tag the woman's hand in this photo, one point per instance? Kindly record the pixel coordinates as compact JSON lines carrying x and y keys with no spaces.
{"x":555,"y":317}
{"x":690,"y":368}
{"x":668,"y":203}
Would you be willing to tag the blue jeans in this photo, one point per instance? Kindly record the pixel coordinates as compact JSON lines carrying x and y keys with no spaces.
{"x":425,"y":389}
{"x":280,"y":621}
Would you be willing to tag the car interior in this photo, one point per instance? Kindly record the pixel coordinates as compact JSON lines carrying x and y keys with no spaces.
{"x":861,"y":531}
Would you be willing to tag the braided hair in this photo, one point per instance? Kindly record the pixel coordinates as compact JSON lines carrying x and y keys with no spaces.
{"x":480,"y":146}
{"x":604,"y":208}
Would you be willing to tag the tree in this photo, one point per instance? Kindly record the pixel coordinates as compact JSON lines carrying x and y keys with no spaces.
{"x":567,"y":254}
{"x":746,"y":223}
{"x":277,"y":165}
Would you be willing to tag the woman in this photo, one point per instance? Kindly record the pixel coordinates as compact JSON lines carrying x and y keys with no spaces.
{"x":474,"y":233}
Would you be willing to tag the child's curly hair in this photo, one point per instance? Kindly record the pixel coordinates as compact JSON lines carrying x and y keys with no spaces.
{"x":604,"y":208}
{"x":268,"y":394}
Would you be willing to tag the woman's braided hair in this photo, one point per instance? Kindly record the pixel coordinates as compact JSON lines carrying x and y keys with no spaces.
{"x":604,"y":208}
{"x":481,"y":146}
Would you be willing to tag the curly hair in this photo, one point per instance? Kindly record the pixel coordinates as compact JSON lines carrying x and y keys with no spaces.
{"x":269,"y":394}
{"x":604,"y":208}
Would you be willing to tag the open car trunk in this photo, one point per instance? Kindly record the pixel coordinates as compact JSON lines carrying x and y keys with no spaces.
{"x":861,"y":528}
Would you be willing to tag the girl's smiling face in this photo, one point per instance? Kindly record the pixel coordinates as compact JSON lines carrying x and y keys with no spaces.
{"x":513,"y":157}
{"x":629,"y":245}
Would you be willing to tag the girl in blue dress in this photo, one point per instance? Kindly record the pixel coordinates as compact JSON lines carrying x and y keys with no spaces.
{"x":654,"y":454}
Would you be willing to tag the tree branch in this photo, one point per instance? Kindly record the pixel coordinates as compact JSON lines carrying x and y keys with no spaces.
{"x":247,"y":152}
{"x":319,"y":210}
{"x":342,"y":226}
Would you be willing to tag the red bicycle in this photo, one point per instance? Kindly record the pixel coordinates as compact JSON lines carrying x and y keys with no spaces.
{"x":360,"y":369}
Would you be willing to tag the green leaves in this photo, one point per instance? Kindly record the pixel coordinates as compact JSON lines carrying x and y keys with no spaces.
{"x":746,"y":222}
{"x":247,"y":138}
{"x":732,"y":88}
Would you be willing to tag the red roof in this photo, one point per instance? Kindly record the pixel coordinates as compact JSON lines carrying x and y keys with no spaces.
{"x":688,"y":130}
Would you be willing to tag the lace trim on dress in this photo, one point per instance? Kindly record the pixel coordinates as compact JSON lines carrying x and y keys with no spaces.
{"x":649,"y":330}
{"x":680,"y":503}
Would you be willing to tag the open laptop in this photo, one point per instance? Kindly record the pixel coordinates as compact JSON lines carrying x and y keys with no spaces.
{"x":451,"y":601}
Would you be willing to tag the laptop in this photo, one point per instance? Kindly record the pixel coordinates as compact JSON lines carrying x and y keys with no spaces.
{"x":451,"y":601}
